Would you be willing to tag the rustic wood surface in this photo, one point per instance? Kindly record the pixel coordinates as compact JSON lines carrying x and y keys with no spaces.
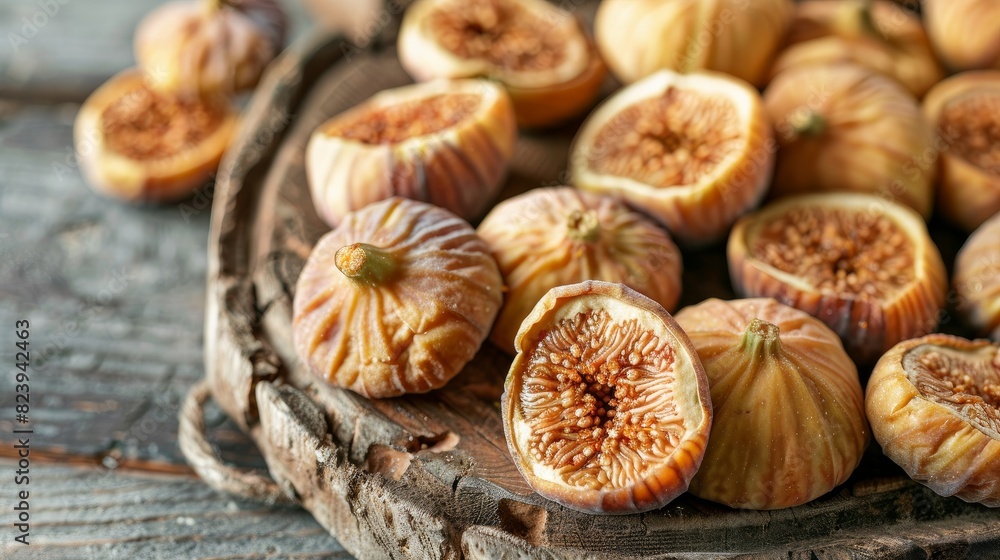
{"x":430,"y":475}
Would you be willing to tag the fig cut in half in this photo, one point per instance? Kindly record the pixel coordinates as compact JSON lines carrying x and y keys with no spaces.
{"x":143,"y":145}
{"x":693,"y":151}
{"x":539,"y":52}
{"x":557,"y":236}
{"x":864,"y":266}
{"x":977,"y":279}
{"x":443,"y":142}
{"x":934,"y":406}
{"x":606,"y":407}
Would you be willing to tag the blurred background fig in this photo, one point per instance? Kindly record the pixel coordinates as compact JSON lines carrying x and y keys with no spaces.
{"x":964,"y":32}
{"x":977,"y":279}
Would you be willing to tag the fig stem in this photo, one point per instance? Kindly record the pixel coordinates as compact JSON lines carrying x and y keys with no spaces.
{"x":365,"y":263}
{"x":584,"y":226}
{"x":867,"y":20}
{"x":807,"y":123}
{"x":762,"y":337}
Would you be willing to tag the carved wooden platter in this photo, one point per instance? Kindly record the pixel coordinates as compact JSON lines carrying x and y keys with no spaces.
{"x":429,"y":476}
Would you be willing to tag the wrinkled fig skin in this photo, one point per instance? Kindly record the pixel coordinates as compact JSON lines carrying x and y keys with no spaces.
{"x":879,"y":35}
{"x":968,"y":194}
{"x":934,"y":440}
{"x":789,"y":421}
{"x":556,"y":236}
{"x":739,"y":37}
{"x":396,"y":300}
{"x":977,"y":279}
{"x":460,"y":168}
{"x":964,"y":32}
{"x":666,"y":470}
{"x":868,"y":326}
{"x":864,"y":134}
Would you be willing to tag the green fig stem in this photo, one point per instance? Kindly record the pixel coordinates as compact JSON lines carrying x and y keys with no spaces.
{"x":584,"y":226}
{"x":807,"y":123}
{"x":762,"y":338}
{"x":365,"y":263}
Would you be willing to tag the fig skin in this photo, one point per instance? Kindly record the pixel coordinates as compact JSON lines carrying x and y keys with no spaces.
{"x":968,"y":195}
{"x":868,"y":327}
{"x":879,"y":35}
{"x":844,"y":128}
{"x":695,"y":214}
{"x":209,"y":47}
{"x":738,"y":37}
{"x":670,"y":479}
{"x":964,"y":32}
{"x":396,"y":300}
{"x":789,"y":421}
{"x":542,"y":239}
{"x":935,"y":445}
{"x":165,"y":179}
{"x":460,"y":167}
{"x":977,"y":279}
{"x":542,"y":97}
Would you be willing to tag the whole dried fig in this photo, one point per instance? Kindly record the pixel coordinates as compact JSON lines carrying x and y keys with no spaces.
{"x":738,"y":37}
{"x":557,"y":236}
{"x":844,"y":128}
{"x":539,"y":52}
{"x":788,"y":410}
{"x":444,"y":142}
{"x":396,"y":300}
{"x":863,"y":265}
{"x":882,"y":36}
{"x":206,"y":47}
{"x":693,"y":151}
{"x":606,"y":406}
{"x":977,"y":279}
{"x":934,"y":406}
{"x":965,"y":110}
{"x":964,"y":32}
{"x":144,"y":145}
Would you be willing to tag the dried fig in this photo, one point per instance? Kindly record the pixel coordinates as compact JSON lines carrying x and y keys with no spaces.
{"x":539,"y":52}
{"x":788,"y":411}
{"x":964,"y":32}
{"x":882,"y":36}
{"x":843,"y":128}
{"x":738,"y":37}
{"x":204,"y":47}
{"x":557,"y":236}
{"x":977,"y":279}
{"x":444,"y":142}
{"x":606,"y":406}
{"x":693,"y":151}
{"x":965,"y":109}
{"x":864,"y":266}
{"x":140,"y":144}
{"x":934,"y":406}
{"x":396,"y":300}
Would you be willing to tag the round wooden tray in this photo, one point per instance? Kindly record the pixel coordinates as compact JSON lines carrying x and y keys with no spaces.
{"x":429,"y":476}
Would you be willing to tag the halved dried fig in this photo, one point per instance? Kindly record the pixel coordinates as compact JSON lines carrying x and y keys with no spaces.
{"x":788,"y":410}
{"x":557,"y":236}
{"x":606,"y":406}
{"x":882,"y":36}
{"x":444,"y":142}
{"x":844,"y":128}
{"x":964,"y":32}
{"x":540,"y":53}
{"x":965,"y":110}
{"x":977,"y":279}
{"x":693,"y":151}
{"x":396,"y":300}
{"x":738,"y":37}
{"x":864,"y":266}
{"x":209,"y":47}
{"x":934,"y":406}
{"x":140,"y":144}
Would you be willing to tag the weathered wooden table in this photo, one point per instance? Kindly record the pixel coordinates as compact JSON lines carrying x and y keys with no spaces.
{"x":115,"y":298}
